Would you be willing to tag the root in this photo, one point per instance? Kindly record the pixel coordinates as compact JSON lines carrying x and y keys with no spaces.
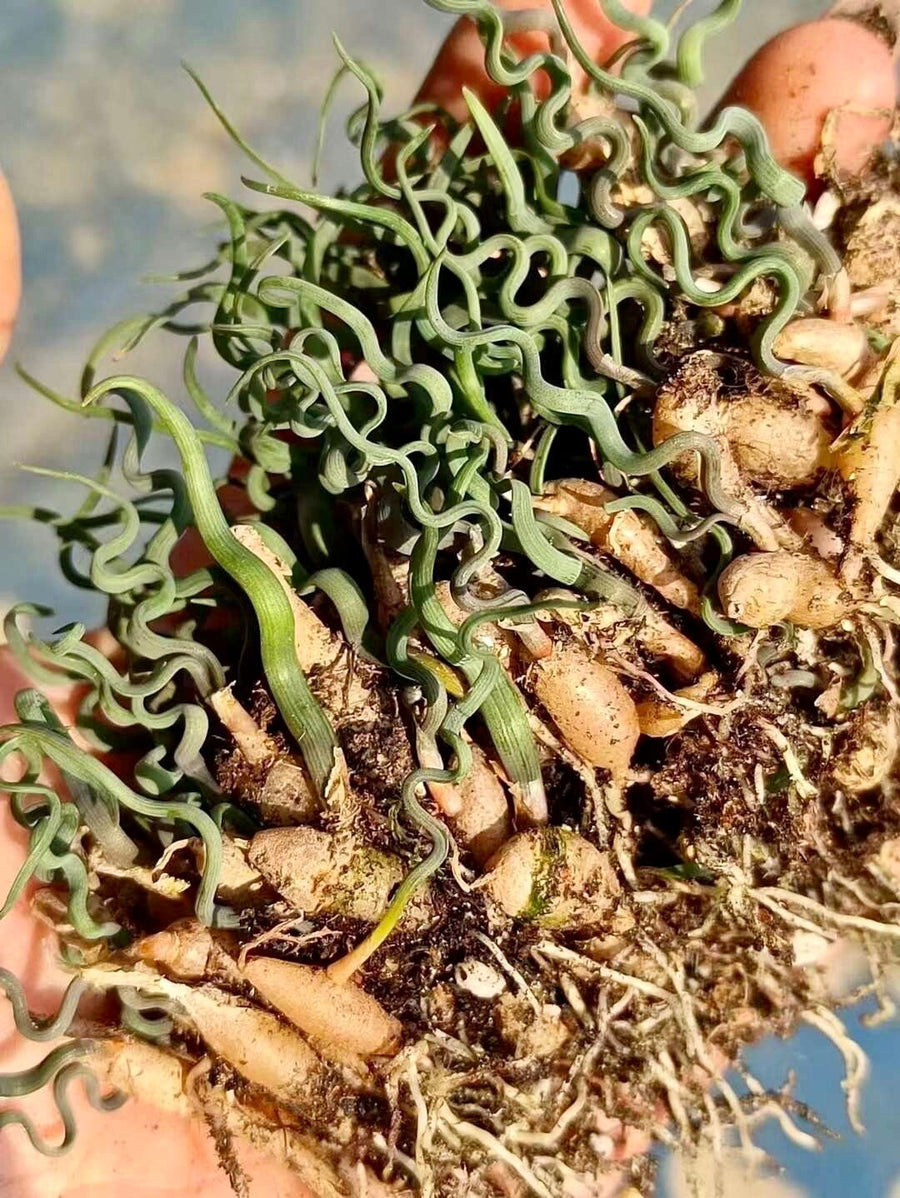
{"x":461,"y":1129}
{"x":550,"y":1140}
{"x":766,"y":1105}
{"x":805,"y":788}
{"x":556,"y":952}
{"x":255,"y":746}
{"x":663,"y":1070}
{"x":855,"y":1060}
{"x":773,"y":896}
{"x":279,"y":933}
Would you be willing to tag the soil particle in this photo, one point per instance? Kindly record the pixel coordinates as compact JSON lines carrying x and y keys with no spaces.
{"x":567,"y":801}
{"x":379,"y":758}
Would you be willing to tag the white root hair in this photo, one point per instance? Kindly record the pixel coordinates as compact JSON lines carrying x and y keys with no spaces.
{"x":855,"y":1060}
{"x":461,"y":1129}
{"x":551,"y":1139}
{"x":773,"y":896}
{"x":805,"y":788}
{"x":556,"y":952}
{"x":771,"y":1108}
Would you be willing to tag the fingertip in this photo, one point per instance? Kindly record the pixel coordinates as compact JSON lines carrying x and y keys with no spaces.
{"x":10,"y":266}
{"x":459,"y":63}
{"x":793,"y":82}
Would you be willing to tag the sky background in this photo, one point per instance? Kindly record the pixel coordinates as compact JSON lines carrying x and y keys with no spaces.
{"x":108,"y":148}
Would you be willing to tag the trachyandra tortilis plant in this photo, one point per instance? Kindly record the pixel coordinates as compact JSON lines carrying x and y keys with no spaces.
{"x":543,"y":656}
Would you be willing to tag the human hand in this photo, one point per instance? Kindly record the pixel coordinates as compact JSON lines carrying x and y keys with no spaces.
{"x":139,"y":1149}
{"x":122,"y":1150}
{"x":10,"y":266}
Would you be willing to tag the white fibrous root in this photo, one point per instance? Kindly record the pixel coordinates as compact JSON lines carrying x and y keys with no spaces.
{"x":761,"y":589}
{"x":661,"y":717}
{"x":320,"y":871}
{"x":630,"y":537}
{"x":592,"y":710}
{"x":337,"y":1015}
{"x":553,"y":877}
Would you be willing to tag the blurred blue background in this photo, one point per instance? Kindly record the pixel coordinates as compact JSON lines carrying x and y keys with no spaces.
{"x":108,"y":148}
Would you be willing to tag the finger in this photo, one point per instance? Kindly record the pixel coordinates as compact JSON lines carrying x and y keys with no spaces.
{"x":802,"y":75}
{"x":460,"y":60}
{"x":136,"y":1150}
{"x":189,"y":552}
{"x":10,"y":266}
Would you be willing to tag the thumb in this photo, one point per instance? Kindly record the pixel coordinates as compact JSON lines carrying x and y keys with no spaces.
{"x":10,"y":266}
{"x":460,"y":60}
